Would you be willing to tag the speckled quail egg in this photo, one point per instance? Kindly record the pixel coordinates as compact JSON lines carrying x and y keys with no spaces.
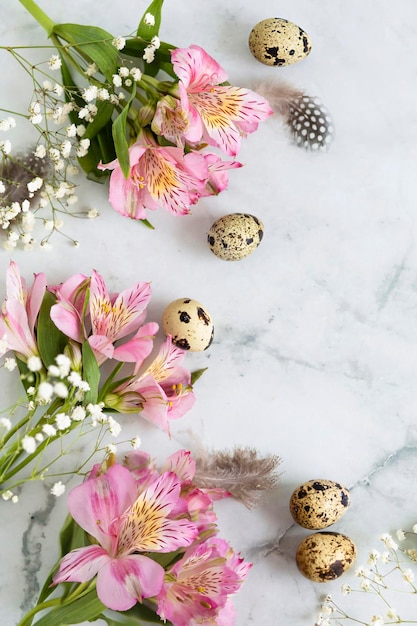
{"x":189,"y":324}
{"x":319,"y":503}
{"x":325,"y":556}
{"x":235,"y":236}
{"x":276,"y":41}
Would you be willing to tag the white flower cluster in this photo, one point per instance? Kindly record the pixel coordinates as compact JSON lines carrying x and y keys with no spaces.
{"x":388,"y":571}
{"x":149,"y":52}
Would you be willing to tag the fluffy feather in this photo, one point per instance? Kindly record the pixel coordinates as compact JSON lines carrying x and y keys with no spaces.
{"x":308,"y":119}
{"x":241,"y":472}
{"x":16,"y":172}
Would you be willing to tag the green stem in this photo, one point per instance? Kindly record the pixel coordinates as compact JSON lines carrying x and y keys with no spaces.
{"x":28,"y":618}
{"x":39,"y":15}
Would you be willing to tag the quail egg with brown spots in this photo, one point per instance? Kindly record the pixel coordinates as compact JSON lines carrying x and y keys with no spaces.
{"x":235,"y":236}
{"x":319,"y":503}
{"x":189,"y":324}
{"x":325,"y":556}
{"x":276,"y":41}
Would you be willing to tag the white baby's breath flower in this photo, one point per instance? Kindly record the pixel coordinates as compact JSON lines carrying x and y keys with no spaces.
{"x":412,"y":554}
{"x":45,"y":392}
{"x":123,"y":71}
{"x":91,"y":69}
{"x":66,"y":148}
{"x":71,"y":131}
{"x":81,"y":129}
{"x":111,"y":448}
{"x":74,"y":379}
{"x":58,"y":224}
{"x":376,"y":620}
{"x":155,"y":42}
{"x":385,"y":557}
{"x":61,"y":390}
{"x":119,"y":43}
{"x":117,"y":81}
{"x":15,"y":498}
{"x":58,"y":489}
{"x":92,"y":214}
{"x":392,"y":613}
{"x":84,"y":386}
{"x":374,"y":556}
{"x":346,"y":589}
{"x":149,"y":19}
{"x":136,"y":74}
{"x":35,"y":184}
{"x":29,"y":444}
{"x":148,"y":54}
{"x":58,"y":89}
{"x":114,"y":427}
{"x":34,"y":364}
{"x":90,"y":93}
{"x":400,"y":534}
{"x":78,"y":414}
{"x":39,"y":437}
{"x":388,"y":541}
{"x":40,"y":151}
{"x":5,"y":146}
{"x":2,"y":187}
{"x":5,"y":423}
{"x":7,"y":124}
{"x":136,"y":443}
{"x":414,"y":529}
{"x":49,"y":430}
{"x":10,"y":363}
{"x":62,"y":421}
{"x":408,"y":575}
{"x":362,"y":572}
{"x":54,"y":62}
{"x":365,"y":585}
{"x":103,"y":94}
{"x":7,"y":495}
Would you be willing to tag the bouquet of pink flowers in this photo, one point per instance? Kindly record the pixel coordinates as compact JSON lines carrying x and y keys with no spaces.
{"x":82,"y":355}
{"x":162,"y":138}
{"x":143,"y":544}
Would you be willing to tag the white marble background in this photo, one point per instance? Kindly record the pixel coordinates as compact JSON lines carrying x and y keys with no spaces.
{"x":315,"y":350}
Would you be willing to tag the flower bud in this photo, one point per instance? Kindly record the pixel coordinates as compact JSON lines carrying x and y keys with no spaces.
{"x":146,"y":113}
{"x":73,"y":351}
{"x":129,"y":402}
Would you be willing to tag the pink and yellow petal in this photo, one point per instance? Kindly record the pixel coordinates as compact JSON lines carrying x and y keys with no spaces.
{"x":81,"y":565}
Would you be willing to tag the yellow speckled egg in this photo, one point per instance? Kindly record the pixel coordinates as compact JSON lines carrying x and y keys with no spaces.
{"x":189,"y":324}
{"x":325,"y":556}
{"x":276,"y":41}
{"x":235,"y":236}
{"x":319,"y":503}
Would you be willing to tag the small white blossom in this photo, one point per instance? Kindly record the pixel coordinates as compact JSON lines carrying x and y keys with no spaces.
{"x":149,"y":54}
{"x":39,"y":437}
{"x":400,"y":534}
{"x":136,"y":74}
{"x":103,"y":94}
{"x":408,"y":575}
{"x":114,"y":427}
{"x":119,"y":43}
{"x":40,"y":151}
{"x":91,"y":69}
{"x":34,"y":364}
{"x":54,"y":62}
{"x":58,"y":489}
{"x":45,"y":391}
{"x":66,"y":149}
{"x":365,"y":585}
{"x":15,"y":499}
{"x":117,"y":81}
{"x":58,"y":224}
{"x":10,"y":363}
{"x":376,"y":620}
{"x":62,"y":421}
{"x":30,"y":391}
{"x":5,"y":423}
{"x":71,"y":131}
{"x":58,"y":89}
{"x":6,"y":146}
{"x":61,"y":390}
{"x":123,"y":71}
{"x":64,"y":364}
{"x":155,"y":42}
{"x":74,"y":379}
{"x":111,"y":448}
{"x":7,"y":124}
{"x":6,"y":495}
{"x":92,"y":214}
{"x":29,"y":444}
{"x":49,"y":225}
{"x":49,"y":430}
{"x":35,"y":184}
{"x":388,"y":541}
{"x":385,"y":557}
{"x":414,"y":529}
{"x":136,"y":443}
{"x":346,"y":589}
{"x":149,"y":19}
{"x":2,"y":187}
{"x":128,"y":82}
{"x":84,"y":386}
{"x":80,"y":130}
{"x":392,"y":613}
{"x":83,"y":147}
{"x":374,"y":556}
{"x":90,"y":93}
{"x":78,"y":414}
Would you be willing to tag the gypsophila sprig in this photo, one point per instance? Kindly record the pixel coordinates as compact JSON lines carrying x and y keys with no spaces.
{"x":389,"y":576}
{"x":134,"y":108}
{"x":143,"y":541}
{"x":65,"y":340}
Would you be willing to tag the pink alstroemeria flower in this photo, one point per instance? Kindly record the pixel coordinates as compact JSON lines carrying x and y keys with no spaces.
{"x":111,"y":317}
{"x":159,"y":177}
{"x":198,"y":586}
{"x":163,"y":389}
{"x":217,"y":114}
{"x":125,"y":525}
{"x":19,"y":313}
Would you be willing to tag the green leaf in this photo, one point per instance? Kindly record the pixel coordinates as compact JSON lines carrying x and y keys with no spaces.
{"x":91,"y":373}
{"x":197,"y":374}
{"x":51,"y":341}
{"x":87,"y":607}
{"x":139,"y":615}
{"x":147,"y":224}
{"x":147,"y":31}
{"x":26,"y":376}
{"x":119,"y":136}
{"x":102,"y":117}
{"x":93,"y":43}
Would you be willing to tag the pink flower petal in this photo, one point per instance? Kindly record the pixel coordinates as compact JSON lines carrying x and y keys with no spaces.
{"x":81,"y":565}
{"x":197,"y":69}
{"x":123,"y":582}
{"x":98,"y":501}
{"x":139,"y":347}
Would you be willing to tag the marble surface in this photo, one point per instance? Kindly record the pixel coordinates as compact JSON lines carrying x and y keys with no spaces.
{"x":315,"y":349}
